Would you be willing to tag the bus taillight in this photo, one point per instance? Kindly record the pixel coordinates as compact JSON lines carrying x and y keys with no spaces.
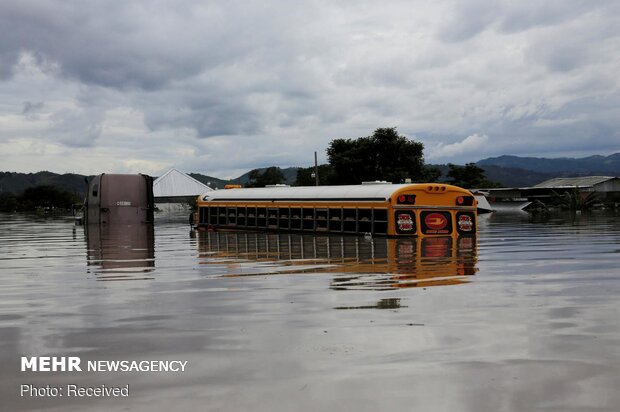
{"x":406,"y":200}
{"x":465,"y":201}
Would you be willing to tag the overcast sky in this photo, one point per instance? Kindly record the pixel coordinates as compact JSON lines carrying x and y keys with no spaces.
{"x":224,"y":87}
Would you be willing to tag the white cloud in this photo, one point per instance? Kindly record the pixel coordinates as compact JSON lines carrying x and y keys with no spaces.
{"x":472,"y":144}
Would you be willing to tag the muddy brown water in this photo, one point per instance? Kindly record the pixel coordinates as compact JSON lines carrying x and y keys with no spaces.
{"x":525,"y":317}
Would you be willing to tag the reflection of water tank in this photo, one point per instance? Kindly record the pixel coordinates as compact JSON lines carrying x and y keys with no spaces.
{"x":113,"y":198}
{"x":120,"y":246}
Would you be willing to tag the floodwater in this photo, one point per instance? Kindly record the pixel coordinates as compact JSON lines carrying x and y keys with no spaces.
{"x":524,"y":318}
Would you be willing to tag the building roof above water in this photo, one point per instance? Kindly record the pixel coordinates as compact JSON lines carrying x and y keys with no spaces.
{"x":568,"y":182}
{"x":177,"y":184}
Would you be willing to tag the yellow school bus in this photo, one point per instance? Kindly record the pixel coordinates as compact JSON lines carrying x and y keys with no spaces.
{"x":381,"y":209}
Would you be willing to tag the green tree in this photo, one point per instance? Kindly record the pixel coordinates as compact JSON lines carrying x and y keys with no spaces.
{"x":385,"y":155}
{"x":47,"y":197}
{"x":305,"y":176}
{"x":469,"y":176}
{"x":8,"y":202}
{"x":431,"y":174}
{"x":270,"y":176}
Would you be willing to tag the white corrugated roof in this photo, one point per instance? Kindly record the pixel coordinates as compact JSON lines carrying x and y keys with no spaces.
{"x":177,"y":184}
{"x":382,"y":191}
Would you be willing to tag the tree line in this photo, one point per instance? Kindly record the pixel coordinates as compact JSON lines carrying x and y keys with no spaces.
{"x":43,"y":197}
{"x":385,"y":155}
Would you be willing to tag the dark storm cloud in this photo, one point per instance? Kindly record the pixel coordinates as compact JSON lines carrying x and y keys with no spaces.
{"x":468,"y":19}
{"x":146,"y":44}
{"x":148,"y":47}
{"x":7,"y":62}
{"x":576,"y":46}
{"x":77,"y":127}
{"x":31,"y":109}
{"x":111,"y":43}
{"x":521,"y":16}
{"x":209,"y":117}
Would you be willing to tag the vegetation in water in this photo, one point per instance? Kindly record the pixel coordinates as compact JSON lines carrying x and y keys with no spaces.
{"x":575,"y":200}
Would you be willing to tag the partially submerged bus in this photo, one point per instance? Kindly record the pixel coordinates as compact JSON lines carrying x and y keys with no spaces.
{"x":422,"y":209}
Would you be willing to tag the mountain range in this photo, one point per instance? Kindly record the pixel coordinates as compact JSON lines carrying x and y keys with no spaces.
{"x":510,"y":171}
{"x":592,"y":165}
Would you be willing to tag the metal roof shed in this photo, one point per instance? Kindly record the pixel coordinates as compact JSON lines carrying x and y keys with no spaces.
{"x":607,"y":187}
{"x":585,"y":183}
{"x":177,"y":185}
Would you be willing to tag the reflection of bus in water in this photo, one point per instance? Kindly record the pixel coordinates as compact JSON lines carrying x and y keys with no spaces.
{"x":357,"y":263}
{"x":428,"y":209}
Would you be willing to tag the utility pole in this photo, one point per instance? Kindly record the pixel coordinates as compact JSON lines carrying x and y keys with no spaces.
{"x":316,"y":171}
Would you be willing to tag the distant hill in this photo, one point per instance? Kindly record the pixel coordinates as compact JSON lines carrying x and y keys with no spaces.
{"x":16,"y":183}
{"x":515,"y":177}
{"x":558,"y":167}
{"x":507,"y":176}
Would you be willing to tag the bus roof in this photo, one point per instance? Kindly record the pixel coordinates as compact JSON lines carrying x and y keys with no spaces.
{"x":374,"y":192}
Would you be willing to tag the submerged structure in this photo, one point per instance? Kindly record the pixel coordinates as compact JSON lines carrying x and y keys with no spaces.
{"x":605,"y":189}
{"x":119,"y":198}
